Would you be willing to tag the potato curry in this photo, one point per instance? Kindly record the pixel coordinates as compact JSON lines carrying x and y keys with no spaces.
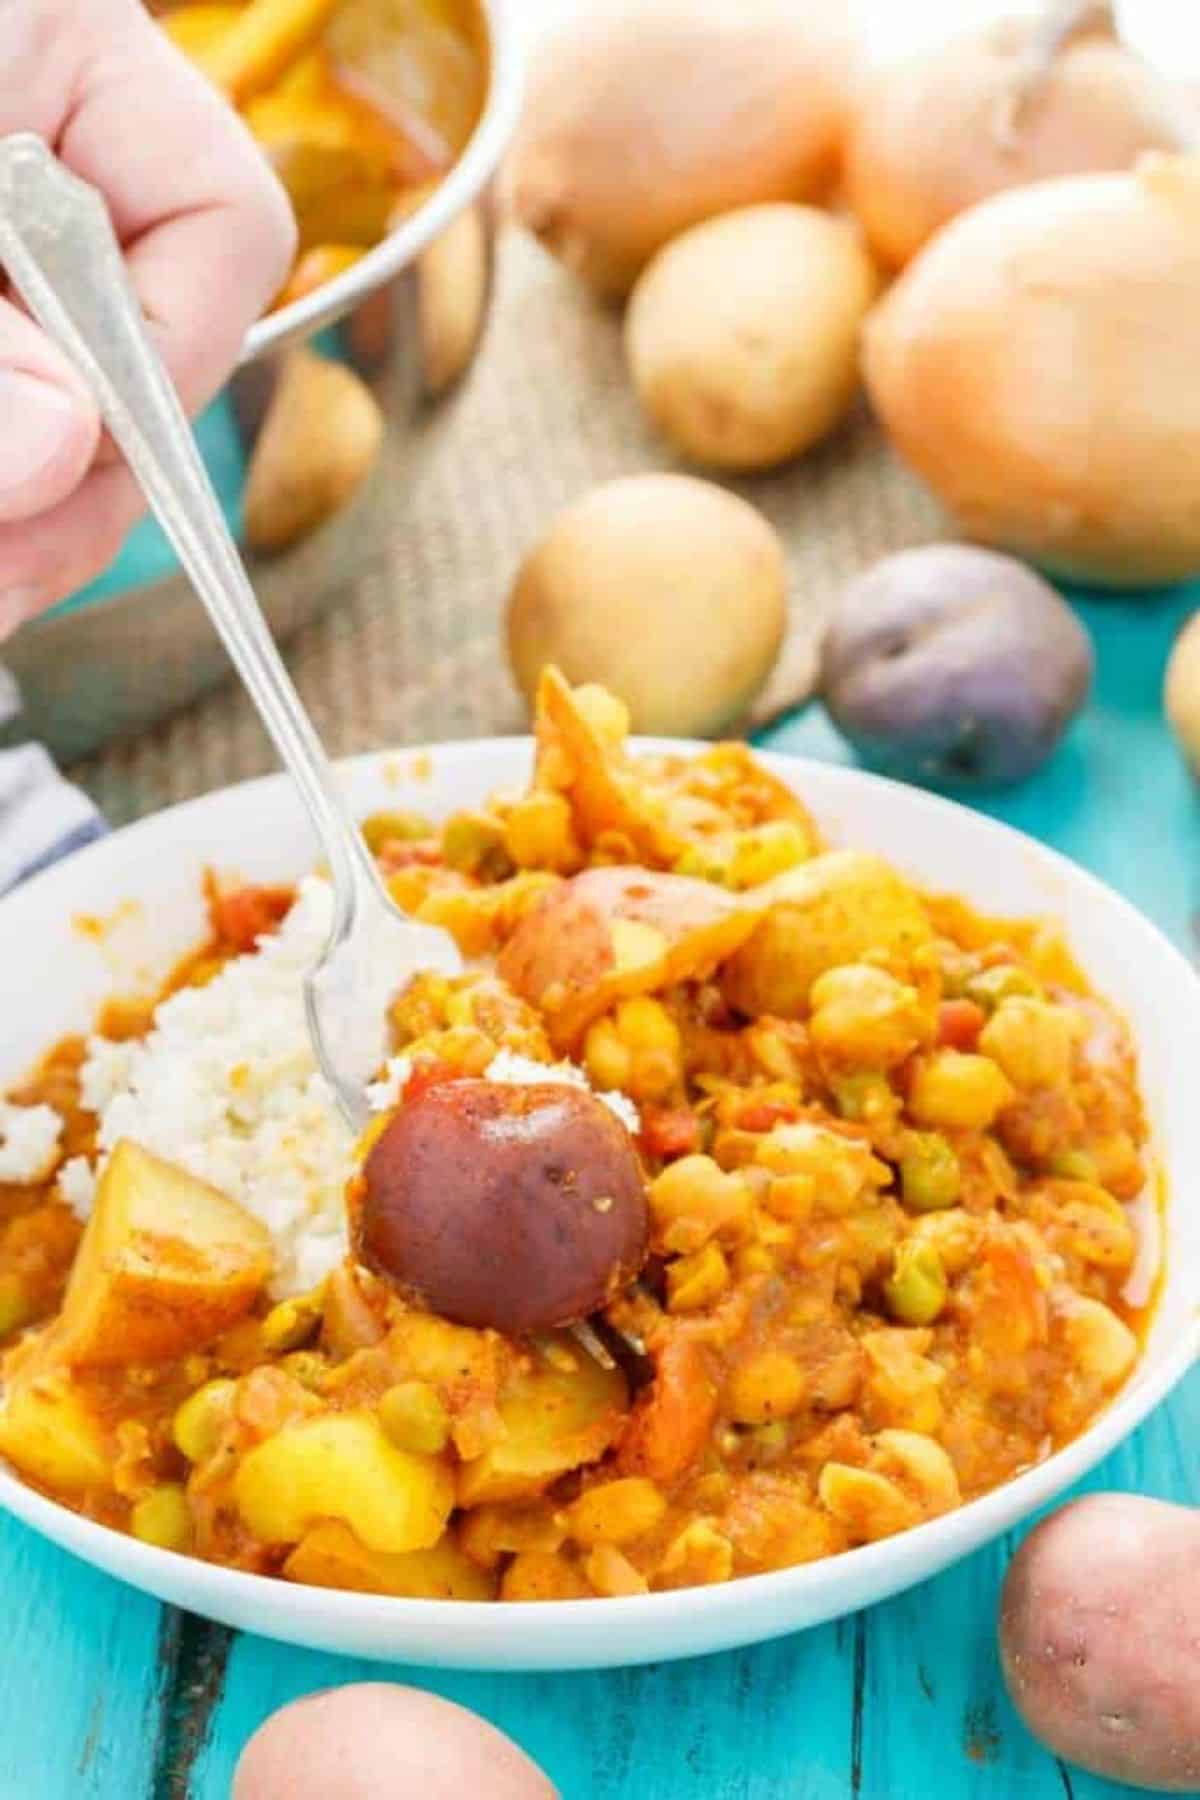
{"x":885,"y":1154}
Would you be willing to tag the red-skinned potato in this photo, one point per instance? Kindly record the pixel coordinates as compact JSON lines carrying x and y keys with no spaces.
{"x":376,"y":1738}
{"x":515,"y":1207}
{"x":1099,"y":1623}
{"x":611,"y":933}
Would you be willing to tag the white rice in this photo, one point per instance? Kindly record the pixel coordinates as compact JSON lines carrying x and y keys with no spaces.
{"x":226,"y":1086}
{"x":29,"y":1137}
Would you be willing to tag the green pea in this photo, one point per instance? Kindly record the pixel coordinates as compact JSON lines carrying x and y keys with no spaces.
{"x":474,"y":843}
{"x":1074,"y":1165}
{"x":1005,"y":981}
{"x":414,"y":1418}
{"x":930,"y":1177}
{"x":916,"y":1289}
{"x":863,"y":1096}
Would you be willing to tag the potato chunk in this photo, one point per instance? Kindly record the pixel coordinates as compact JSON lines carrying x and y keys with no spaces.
{"x":47,"y":1431}
{"x":559,"y":1412}
{"x":614,"y":932}
{"x":331,"y":1556}
{"x":165,"y":1264}
{"x":342,"y":1466}
{"x":824,"y":913}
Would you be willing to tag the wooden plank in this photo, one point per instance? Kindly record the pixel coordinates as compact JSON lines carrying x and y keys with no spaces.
{"x":80,"y":1687}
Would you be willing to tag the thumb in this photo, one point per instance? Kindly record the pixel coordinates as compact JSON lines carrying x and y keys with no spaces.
{"x":49,"y":427}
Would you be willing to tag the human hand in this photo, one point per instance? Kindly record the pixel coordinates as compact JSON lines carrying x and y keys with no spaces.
{"x":208,"y":236}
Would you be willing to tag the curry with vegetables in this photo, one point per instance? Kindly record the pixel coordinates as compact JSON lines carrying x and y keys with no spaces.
{"x":886,"y":1150}
{"x":360,"y":106}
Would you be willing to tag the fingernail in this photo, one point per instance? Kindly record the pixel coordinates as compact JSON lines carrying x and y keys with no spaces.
{"x":39,"y":421}
{"x":16,"y":605}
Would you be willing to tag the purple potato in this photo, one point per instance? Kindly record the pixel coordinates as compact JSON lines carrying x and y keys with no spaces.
{"x":515,"y":1207}
{"x":954,"y":665}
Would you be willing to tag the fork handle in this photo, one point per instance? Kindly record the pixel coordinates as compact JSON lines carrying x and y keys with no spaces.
{"x":60,"y":251}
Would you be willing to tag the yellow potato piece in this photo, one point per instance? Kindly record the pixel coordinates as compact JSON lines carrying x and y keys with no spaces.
{"x":270,"y":35}
{"x":557,"y":1415}
{"x":341,"y":1466}
{"x":331,"y":1556}
{"x":166,"y":1264}
{"x":48,"y":1433}
{"x":198,"y":29}
{"x":824,"y":913}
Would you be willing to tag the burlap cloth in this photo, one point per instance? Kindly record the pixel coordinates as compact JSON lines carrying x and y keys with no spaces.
{"x":414,"y":652}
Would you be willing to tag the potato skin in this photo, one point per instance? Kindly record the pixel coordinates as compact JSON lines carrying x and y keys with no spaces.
{"x":1099,"y":1622}
{"x":954,"y":664}
{"x":646,"y":116}
{"x":742,"y":335}
{"x":666,"y":589}
{"x":515,"y":1207}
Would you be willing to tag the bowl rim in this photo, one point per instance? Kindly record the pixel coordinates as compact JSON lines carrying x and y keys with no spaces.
{"x":526,"y":1635}
{"x":461,"y":184}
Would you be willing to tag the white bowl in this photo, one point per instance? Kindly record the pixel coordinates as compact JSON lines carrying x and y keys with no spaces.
{"x":137,"y":895}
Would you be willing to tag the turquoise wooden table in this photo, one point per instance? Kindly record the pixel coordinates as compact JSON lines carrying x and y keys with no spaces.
{"x":105,"y":1695}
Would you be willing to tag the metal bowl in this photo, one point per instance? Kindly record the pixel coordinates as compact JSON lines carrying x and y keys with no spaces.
{"x":409,"y":316}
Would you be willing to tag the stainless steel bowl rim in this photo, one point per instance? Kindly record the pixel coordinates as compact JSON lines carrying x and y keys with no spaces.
{"x":458,"y":188}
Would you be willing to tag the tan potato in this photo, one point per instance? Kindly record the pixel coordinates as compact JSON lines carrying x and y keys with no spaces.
{"x":1099,"y":1622}
{"x":665,"y":589}
{"x":742,"y":335}
{"x":646,"y":117}
{"x":319,"y":441}
{"x":826,"y":912}
{"x":47,"y":1430}
{"x":1182,"y":694}
{"x":611,"y":933}
{"x":165,"y":1264}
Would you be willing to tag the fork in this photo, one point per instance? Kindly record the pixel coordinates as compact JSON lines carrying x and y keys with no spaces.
{"x":59,"y":249}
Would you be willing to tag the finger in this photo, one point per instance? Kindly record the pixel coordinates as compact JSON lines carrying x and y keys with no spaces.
{"x":49,"y":428}
{"x":208,"y":231}
{"x":43,"y":560}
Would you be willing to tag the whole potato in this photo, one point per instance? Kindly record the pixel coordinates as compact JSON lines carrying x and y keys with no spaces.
{"x":1099,"y":1623}
{"x":742,"y":335}
{"x":1182,"y":694}
{"x":956,"y":665}
{"x":668,"y":590}
{"x":517,"y":1207}
{"x":646,"y":116}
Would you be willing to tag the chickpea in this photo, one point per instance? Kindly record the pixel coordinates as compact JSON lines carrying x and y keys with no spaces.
{"x":694,"y":1200}
{"x":695,"y":1281}
{"x":1033,"y":1041}
{"x":202,"y":1418}
{"x":162,"y":1518}
{"x":861,"y":1014}
{"x":956,"y":1089}
{"x":538,"y":833}
{"x":616,"y":1512}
